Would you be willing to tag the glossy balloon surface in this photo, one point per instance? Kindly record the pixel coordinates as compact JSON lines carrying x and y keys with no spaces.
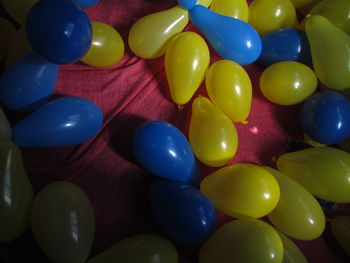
{"x":5,"y":127}
{"x":340,"y":227}
{"x":18,"y":9}
{"x":20,"y":47}
{"x":86,"y":3}
{"x":163,"y":150}
{"x":7,"y":33}
{"x":324,"y":172}
{"x":233,"y":8}
{"x":61,"y":122}
{"x":291,"y":253}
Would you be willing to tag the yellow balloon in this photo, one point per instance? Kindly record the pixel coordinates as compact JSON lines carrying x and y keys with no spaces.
{"x":323,"y":171}
{"x":292,"y":253}
{"x":213,"y":136}
{"x":301,"y":3}
{"x":107,"y":46}
{"x":150,"y":35}
{"x":18,"y":9}
{"x":186,"y":61}
{"x":330,"y":51}
{"x":19,"y":48}
{"x":340,"y":227}
{"x":7,"y":32}
{"x":308,"y":220}
{"x":305,"y":9}
{"x":242,"y":190}
{"x":269,"y":15}
{"x":204,"y":2}
{"x":288,"y":83}
{"x":233,"y":8}
{"x":345,"y":145}
{"x":243,"y":241}
{"x":230,"y":89}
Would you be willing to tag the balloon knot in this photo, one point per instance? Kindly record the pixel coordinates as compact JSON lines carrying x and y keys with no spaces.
{"x":244,"y":122}
{"x":180,"y":107}
{"x":274,"y":159}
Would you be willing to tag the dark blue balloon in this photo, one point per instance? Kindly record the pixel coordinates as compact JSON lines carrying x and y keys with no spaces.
{"x":231,"y":38}
{"x":183,"y":212}
{"x":285,"y":45}
{"x":86,"y":3}
{"x":325,"y":117}
{"x":61,"y":122}
{"x":163,"y":150}
{"x":187,"y":4}
{"x":59,"y":31}
{"x":28,"y":83}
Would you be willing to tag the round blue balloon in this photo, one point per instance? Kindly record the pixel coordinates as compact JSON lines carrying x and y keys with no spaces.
{"x":86,"y":3}
{"x":163,"y":150}
{"x":183,"y":212}
{"x":325,"y":117}
{"x":28,"y":83}
{"x":187,"y":4}
{"x":231,"y":38}
{"x":61,"y":122}
{"x":59,"y":31}
{"x":285,"y":45}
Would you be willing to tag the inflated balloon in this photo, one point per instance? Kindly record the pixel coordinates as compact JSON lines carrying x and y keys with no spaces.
{"x":308,"y":221}
{"x":269,"y":15}
{"x":59,"y":31}
{"x":232,"y":39}
{"x":230,"y":89}
{"x":187,"y":4}
{"x":325,"y":117}
{"x":63,"y":222}
{"x":61,"y":122}
{"x":205,"y":3}
{"x":242,"y":190}
{"x":28,"y":83}
{"x":285,"y":45}
{"x":306,"y":9}
{"x":340,"y":227}
{"x":345,"y":145}
{"x":301,"y":3}
{"x":19,"y":48}
{"x":149,"y":36}
{"x":212,"y":135}
{"x":18,"y":9}
{"x":288,"y":83}
{"x":107,"y":46}
{"x":323,"y":171}
{"x":143,"y":248}
{"x":16,"y":193}
{"x":245,"y":241}
{"x":186,"y":62}
{"x":183,"y":212}
{"x":86,"y":3}
{"x":5,"y":127}
{"x":291,"y":253}
{"x":162,"y":149}
{"x":330,"y":51}
{"x":233,"y":8}
{"x":7,"y":33}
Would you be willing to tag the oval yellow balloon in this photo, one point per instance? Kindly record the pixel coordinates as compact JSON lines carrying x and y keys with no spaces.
{"x":244,"y":241}
{"x":150,"y":35}
{"x":19,"y":48}
{"x":233,"y":8}
{"x":107,"y":46}
{"x":301,"y":3}
{"x":340,"y":227}
{"x":288,"y":83}
{"x":186,"y":61}
{"x":323,"y":171}
{"x":204,"y":2}
{"x":242,"y":190}
{"x":18,"y":9}
{"x":306,"y":9}
{"x":7,"y":33}
{"x":229,"y":87}
{"x":291,"y":253}
{"x":213,"y":136}
{"x":308,"y":220}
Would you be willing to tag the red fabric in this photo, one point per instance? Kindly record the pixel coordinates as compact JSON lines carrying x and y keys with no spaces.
{"x":133,"y":91}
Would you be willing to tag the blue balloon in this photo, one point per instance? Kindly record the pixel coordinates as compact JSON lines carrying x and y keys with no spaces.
{"x":231,"y":38}
{"x":59,"y":31}
{"x":187,"y":4}
{"x":285,"y":45}
{"x":325,"y":117}
{"x":28,"y":83}
{"x":163,"y":150}
{"x":183,"y":212}
{"x":86,"y":3}
{"x":61,"y":122}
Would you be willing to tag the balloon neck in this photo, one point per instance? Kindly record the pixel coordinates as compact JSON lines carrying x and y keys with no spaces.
{"x":245,"y":122}
{"x":180,"y":107}
{"x":313,"y":143}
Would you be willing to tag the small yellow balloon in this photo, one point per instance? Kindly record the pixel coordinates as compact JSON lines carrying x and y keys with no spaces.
{"x":308,"y":220}
{"x":186,"y":62}
{"x":18,"y":9}
{"x":340,"y":227}
{"x":230,"y":89}
{"x":301,"y":3}
{"x":204,"y":2}
{"x":20,"y":47}
{"x":150,"y":35}
{"x":242,"y":190}
{"x":233,"y":8}
{"x":7,"y":32}
{"x":288,"y":83}
{"x":291,"y":253}
{"x":213,"y":136}
{"x":107,"y":46}
{"x":269,"y":15}
{"x":330,"y":51}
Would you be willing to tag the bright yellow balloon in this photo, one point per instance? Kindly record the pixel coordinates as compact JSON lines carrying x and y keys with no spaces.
{"x":7,"y":33}
{"x":307,"y":221}
{"x":330,"y":51}
{"x":213,"y":136}
{"x":323,"y":171}
{"x":107,"y":46}
{"x":18,"y":9}
{"x":186,"y":62}
{"x":269,"y":15}
{"x":288,"y":83}
{"x":150,"y":35}
{"x":19,"y":48}
{"x":292,"y":253}
{"x":300,"y":3}
{"x":243,"y":241}
{"x":242,"y":190}
{"x":233,"y":8}
{"x":340,"y":227}
{"x":204,"y":2}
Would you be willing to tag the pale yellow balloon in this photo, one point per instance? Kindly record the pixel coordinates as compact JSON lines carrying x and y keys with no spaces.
{"x":150,"y":35}
{"x":204,"y":2}
{"x":7,"y":32}
{"x":291,"y":253}
{"x":19,"y":48}
{"x":233,"y":8}
{"x":18,"y":9}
